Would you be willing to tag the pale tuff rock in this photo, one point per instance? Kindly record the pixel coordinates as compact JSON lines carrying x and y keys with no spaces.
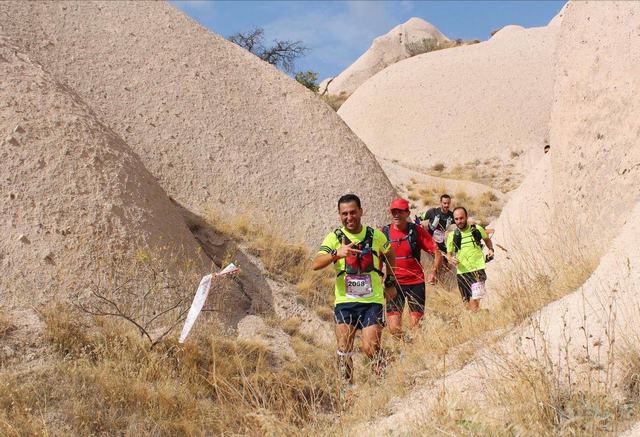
{"x":506,"y":32}
{"x":220,"y":129}
{"x":557,"y":20}
{"x":23,"y":239}
{"x":11,"y":140}
{"x":385,"y":50}
{"x":71,"y":173}
{"x":473,"y":102}
{"x":589,"y":172}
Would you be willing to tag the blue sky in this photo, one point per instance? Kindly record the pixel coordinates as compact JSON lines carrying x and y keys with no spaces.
{"x":338,"y":32}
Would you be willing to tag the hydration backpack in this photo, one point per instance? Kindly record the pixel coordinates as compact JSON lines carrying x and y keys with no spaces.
{"x":457,"y":237}
{"x":362,"y":262}
{"x":411,"y":237}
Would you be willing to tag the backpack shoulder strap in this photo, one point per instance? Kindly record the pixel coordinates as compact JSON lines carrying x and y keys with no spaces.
{"x":385,"y":231}
{"x":477,"y":235}
{"x":413,"y":240}
{"x":340,"y":235}
{"x":457,"y":239}
{"x":368,"y":236}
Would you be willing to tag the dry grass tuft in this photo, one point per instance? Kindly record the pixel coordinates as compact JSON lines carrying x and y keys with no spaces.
{"x":427,"y":45}
{"x":290,"y":261}
{"x":536,"y":402}
{"x":281,"y":258}
{"x":484,"y":208}
{"x":335,"y":101}
{"x":105,"y":379}
{"x":438,"y":166}
{"x":6,"y":325}
{"x":631,"y":373}
{"x":491,"y":172}
{"x":291,"y":326}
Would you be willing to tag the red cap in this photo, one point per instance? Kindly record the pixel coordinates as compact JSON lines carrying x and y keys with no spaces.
{"x":399,"y":204}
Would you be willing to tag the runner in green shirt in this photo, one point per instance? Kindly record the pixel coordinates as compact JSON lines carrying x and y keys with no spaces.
{"x":357,"y":253}
{"x":464,"y":250}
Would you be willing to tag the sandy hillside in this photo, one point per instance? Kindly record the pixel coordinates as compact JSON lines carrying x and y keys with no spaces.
{"x":590,"y":170}
{"x":483,"y":101}
{"x":384,"y":51}
{"x":593,"y":163}
{"x":219,"y":129}
{"x":72,"y":190}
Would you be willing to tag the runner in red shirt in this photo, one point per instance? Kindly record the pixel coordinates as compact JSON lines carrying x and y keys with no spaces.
{"x":408,"y":240}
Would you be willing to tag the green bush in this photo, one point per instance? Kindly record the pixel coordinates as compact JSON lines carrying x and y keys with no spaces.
{"x":308,"y":79}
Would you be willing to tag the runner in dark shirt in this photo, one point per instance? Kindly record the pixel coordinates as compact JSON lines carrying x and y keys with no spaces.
{"x":437,"y":220}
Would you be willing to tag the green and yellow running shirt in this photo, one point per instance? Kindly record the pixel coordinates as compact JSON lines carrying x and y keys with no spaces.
{"x":380,"y":245}
{"x":470,"y":257}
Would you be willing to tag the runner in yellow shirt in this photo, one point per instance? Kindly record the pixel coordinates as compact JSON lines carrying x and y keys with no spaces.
{"x":357,"y":253}
{"x":464,"y":250}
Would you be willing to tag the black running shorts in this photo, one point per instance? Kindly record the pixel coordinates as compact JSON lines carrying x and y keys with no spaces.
{"x":359,"y":315}
{"x":415,"y":294}
{"x":466,"y":279}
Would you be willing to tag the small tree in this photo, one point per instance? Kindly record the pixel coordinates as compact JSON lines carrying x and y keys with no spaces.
{"x":309,"y":79}
{"x":282,"y":54}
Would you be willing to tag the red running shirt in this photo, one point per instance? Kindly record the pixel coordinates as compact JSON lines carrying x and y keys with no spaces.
{"x":408,"y":269}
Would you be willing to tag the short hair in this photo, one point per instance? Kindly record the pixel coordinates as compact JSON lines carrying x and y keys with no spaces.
{"x":466,"y":214}
{"x":348,"y":198}
{"x":445,"y":196}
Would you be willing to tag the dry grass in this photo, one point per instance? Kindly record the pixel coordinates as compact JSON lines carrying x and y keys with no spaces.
{"x":104,"y":379}
{"x":525,"y":397}
{"x":631,"y":372}
{"x":5,"y":323}
{"x":335,"y":101}
{"x":492,"y":172}
{"x":282,"y":259}
{"x":484,"y":208}
{"x":427,"y":45}
{"x":438,"y":167}
{"x":450,"y":338}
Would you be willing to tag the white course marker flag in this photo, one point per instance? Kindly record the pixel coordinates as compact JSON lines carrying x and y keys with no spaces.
{"x":201,"y":297}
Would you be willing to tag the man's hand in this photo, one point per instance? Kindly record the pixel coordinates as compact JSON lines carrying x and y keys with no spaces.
{"x":431,"y":279}
{"x":346,"y":249}
{"x":390,"y":293}
{"x":453,"y":260}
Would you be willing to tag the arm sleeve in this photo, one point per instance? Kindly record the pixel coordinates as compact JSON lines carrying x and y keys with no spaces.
{"x":429,"y":215}
{"x":426,"y":242}
{"x":329,"y":243}
{"x":483,"y":233}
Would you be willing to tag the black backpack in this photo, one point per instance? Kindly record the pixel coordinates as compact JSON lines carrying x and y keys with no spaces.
{"x":412,"y":237}
{"x":457,"y":237}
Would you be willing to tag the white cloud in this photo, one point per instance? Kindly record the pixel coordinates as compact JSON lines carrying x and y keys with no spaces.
{"x":337,"y":35}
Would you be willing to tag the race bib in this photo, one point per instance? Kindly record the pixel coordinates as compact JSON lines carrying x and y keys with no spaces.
{"x":477,"y":290}
{"x":438,"y":236}
{"x":358,"y":286}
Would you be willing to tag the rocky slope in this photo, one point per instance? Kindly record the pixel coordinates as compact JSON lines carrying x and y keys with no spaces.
{"x":221,"y":130}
